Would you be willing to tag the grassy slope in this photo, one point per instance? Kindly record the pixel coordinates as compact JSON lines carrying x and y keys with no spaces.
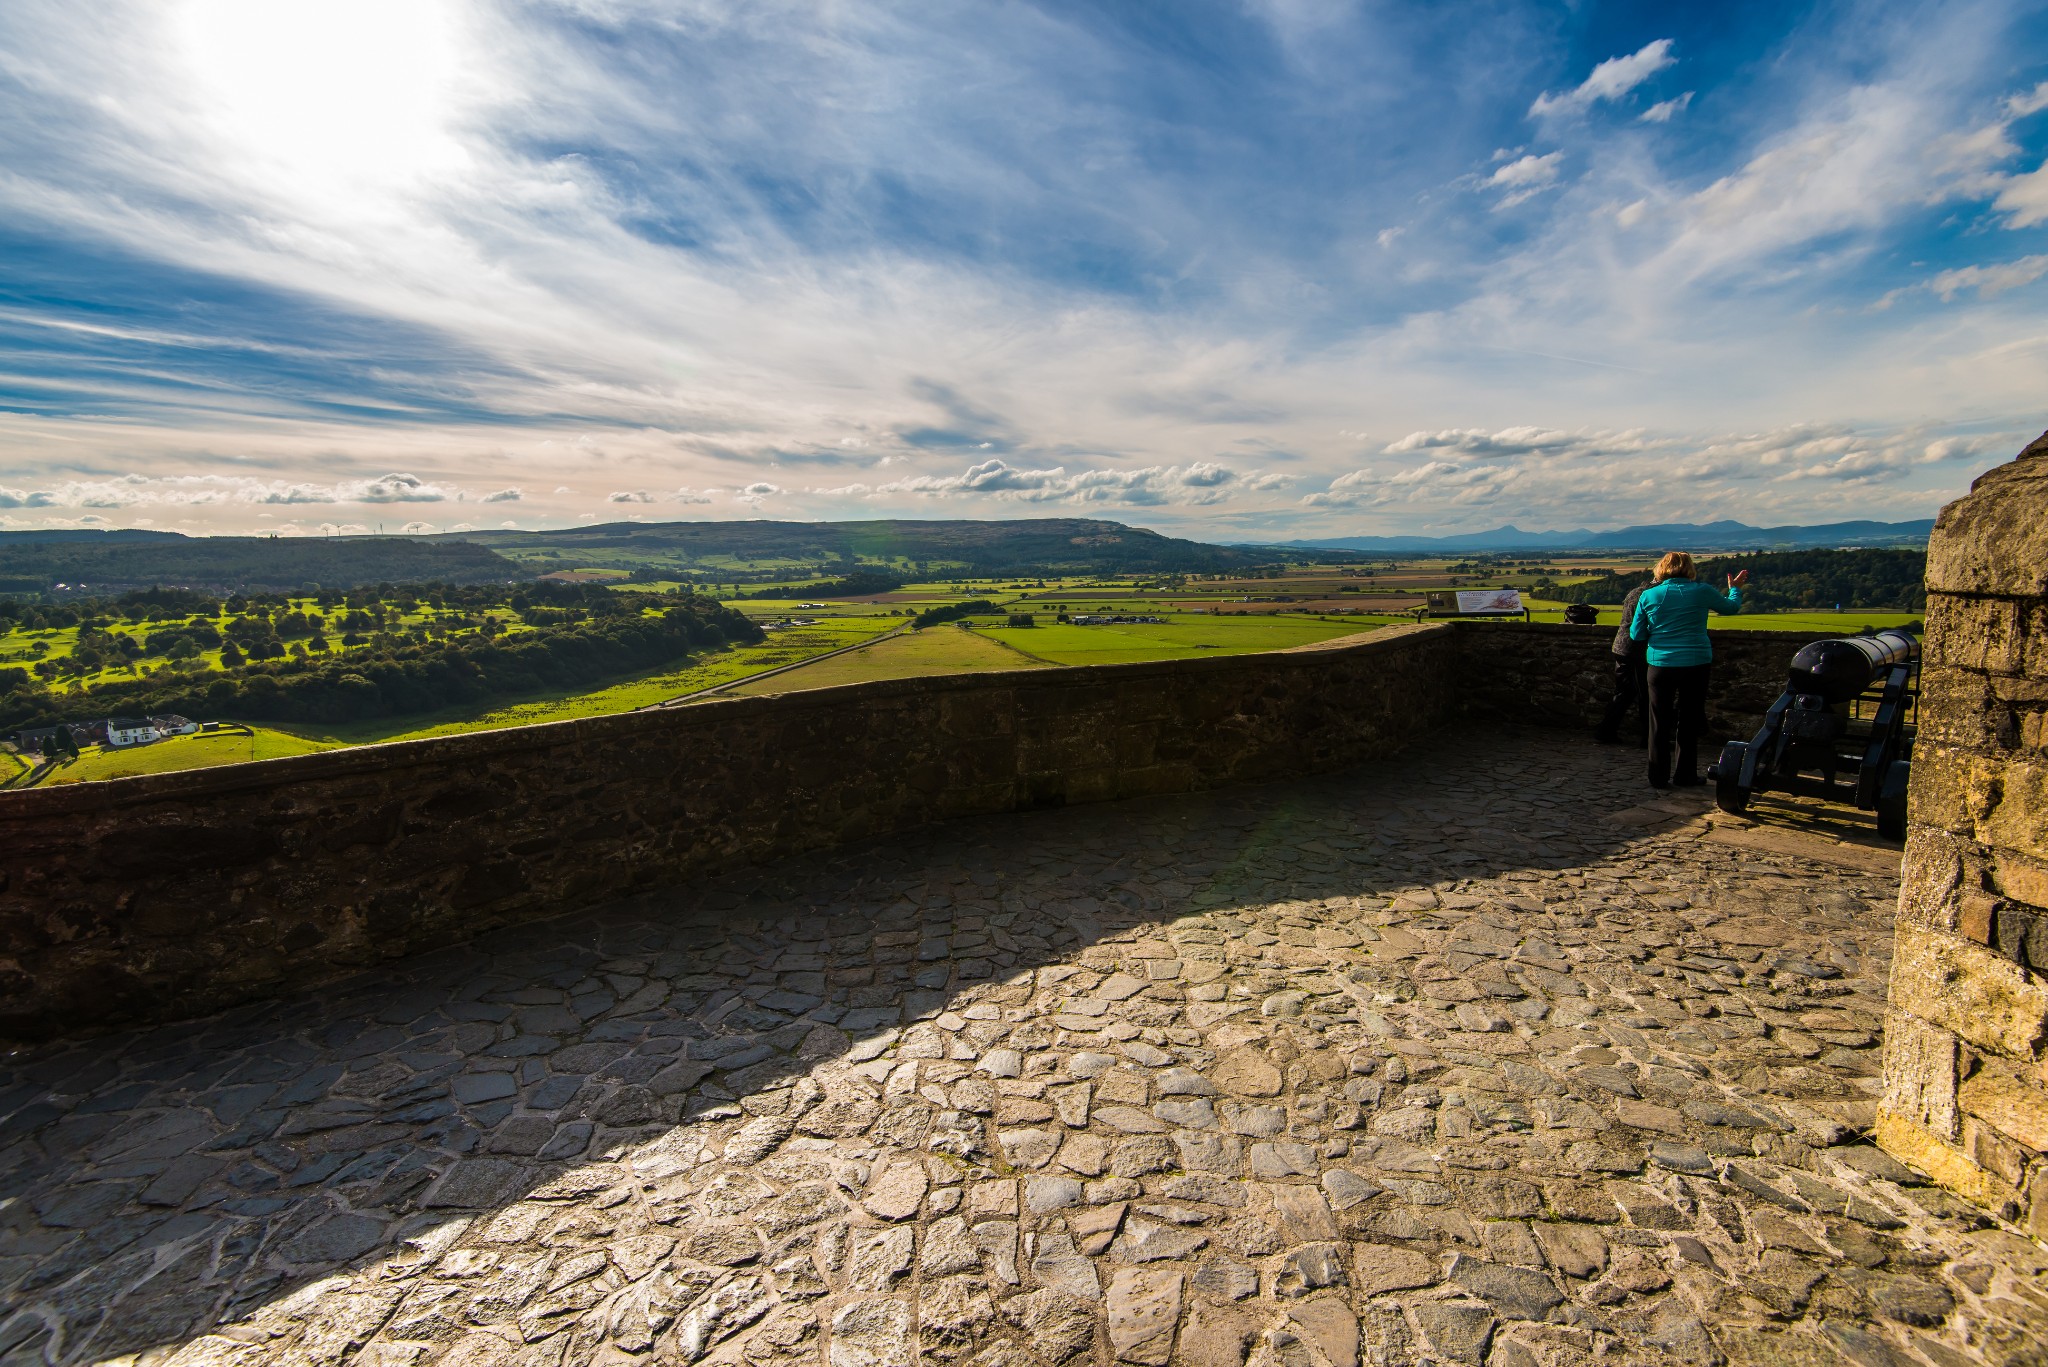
{"x":1178,"y":638}
{"x":781,"y":648}
{"x":182,"y":752}
{"x":936,"y":650}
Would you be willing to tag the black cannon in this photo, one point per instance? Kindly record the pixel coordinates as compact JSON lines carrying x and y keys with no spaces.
{"x":1848,"y":708}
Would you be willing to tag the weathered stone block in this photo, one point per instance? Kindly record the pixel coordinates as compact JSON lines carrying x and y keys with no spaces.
{"x":1920,"y":1072}
{"x":2009,"y":1105}
{"x":1981,"y":635}
{"x":1995,"y":540}
{"x":1975,"y":994}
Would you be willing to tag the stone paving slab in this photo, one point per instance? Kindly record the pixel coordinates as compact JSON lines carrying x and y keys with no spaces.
{"x":1477,"y":1057}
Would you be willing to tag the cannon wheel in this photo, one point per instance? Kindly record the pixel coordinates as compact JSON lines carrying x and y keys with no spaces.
{"x":1729,"y":794}
{"x":1891,"y":802}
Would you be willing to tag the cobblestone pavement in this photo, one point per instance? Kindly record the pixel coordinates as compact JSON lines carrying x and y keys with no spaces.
{"x":1465,"y":1058}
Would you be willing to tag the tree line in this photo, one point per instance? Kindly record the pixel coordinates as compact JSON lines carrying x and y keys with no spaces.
{"x":279,"y":664}
{"x":1789,"y":580}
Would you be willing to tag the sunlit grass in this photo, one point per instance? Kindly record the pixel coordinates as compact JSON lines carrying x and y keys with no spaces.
{"x":175,"y":753}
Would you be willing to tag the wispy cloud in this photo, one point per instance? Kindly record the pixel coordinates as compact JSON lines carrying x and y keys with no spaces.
{"x":1028,"y":255}
{"x":1610,"y":80}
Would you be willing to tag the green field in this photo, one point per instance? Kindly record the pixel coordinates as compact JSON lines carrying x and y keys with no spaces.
{"x":1205,"y":615}
{"x":181,"y":752}
{"x":1178,"y":638}
{"x":782,"y":647}
{"x":936,"y":650}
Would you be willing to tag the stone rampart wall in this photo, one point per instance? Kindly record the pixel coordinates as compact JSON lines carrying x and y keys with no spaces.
{"x":175,"y":894}
{"x":1966,"y":1087}
{"x":1556,"y":675}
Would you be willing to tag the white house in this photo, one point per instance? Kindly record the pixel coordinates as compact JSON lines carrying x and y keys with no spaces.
{"x":174,"y":725}
{"x":124,"y":731}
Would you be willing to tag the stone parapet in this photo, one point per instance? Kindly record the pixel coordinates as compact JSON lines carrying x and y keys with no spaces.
{"x":176,"y":894}
{"x":1557,"y":675}
{"x":1966,"y":1084}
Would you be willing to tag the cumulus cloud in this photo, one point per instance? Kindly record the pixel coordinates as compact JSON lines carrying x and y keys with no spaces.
{"x":503,"y":496}
{"x":1197,"y":484}
{"x":629,"y":496}
{"x":128,"y":491}
{"x":1610,"y":80}
{"x":393,"y":489}
{"x":1478,"y":443}
{"x":418,"y":528}
{"x":689,"y":495}
{"x":758,"y":490}
{"x":1514,"y":473}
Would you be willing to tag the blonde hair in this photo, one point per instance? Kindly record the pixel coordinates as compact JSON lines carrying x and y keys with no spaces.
{"x":1675,"y":565}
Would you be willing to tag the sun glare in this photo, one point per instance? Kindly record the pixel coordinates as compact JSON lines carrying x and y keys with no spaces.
{"x":338,"y":100}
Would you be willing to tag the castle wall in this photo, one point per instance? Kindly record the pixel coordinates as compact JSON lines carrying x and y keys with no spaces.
{"x":1966,"y":1087}
{"x":176,"y":894}
{"x":1550,"y":674}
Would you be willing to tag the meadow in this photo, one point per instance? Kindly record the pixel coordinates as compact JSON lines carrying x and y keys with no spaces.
{"x":170,"y":755}
{"x":808,"y":643}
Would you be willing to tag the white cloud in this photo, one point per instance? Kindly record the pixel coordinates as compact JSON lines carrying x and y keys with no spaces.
{"x":629,"y":496}
{"x":1526,"y":177}
{"x":1989,"y":281}
{"x":689,"y":495}
{"x":2025,"y":198}
{"x":503,"y":496}
{"x":1196,"y":484}
{"x":2029,"y":102}
{"x":127,"y":491}
{"x":418,"y":528}
{"x":1610,"y":80}
{"x":1665,"y":110}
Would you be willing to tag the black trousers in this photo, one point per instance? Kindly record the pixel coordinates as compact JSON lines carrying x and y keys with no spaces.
{"x":1628,"y":694}
{"x":1678,"y":717}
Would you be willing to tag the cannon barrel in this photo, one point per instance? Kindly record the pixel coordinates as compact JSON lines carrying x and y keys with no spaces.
{"x":1841,"y":669}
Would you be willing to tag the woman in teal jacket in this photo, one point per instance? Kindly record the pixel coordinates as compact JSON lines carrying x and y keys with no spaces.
{"x":1670,"y":621}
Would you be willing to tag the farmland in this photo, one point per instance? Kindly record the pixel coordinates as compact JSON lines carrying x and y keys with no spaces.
{"x":236,"y":660}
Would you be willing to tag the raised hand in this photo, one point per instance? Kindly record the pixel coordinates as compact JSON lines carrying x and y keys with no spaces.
{"x":1741,"y":578}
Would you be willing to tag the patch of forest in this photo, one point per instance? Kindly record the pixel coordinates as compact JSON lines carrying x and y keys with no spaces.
{"x":32,"y":562}
{"x":393,"y":650}
{"x":1782,"y":581}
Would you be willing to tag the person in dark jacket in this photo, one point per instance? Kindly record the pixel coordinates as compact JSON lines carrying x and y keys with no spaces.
{"x":1670,"y":620}
{"x":1628,"y":675}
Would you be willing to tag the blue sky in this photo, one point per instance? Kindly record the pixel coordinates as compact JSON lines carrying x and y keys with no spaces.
{"x":1278,"y":267}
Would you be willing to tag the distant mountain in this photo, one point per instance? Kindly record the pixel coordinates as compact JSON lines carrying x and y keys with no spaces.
{"x":108,"y":562}
{"x":1025,"y":545}
{"x":1692,"y":536}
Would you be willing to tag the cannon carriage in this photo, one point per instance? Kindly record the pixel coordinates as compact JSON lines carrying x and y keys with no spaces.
{"x":1842,"y":731}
